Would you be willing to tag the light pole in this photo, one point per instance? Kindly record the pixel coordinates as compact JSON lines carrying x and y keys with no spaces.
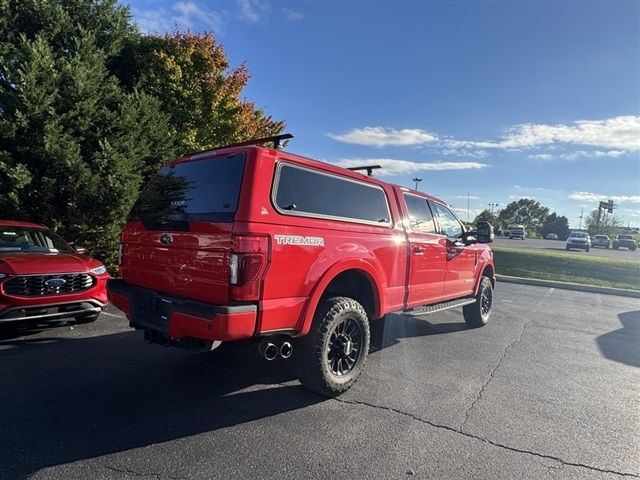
{"x":580,"y":217}
{"x":493,"y":205}
{"x":417,"y":180}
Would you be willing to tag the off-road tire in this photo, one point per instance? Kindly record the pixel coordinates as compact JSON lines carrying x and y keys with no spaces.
{"x":477,"y":314}
{"x":586,"y":249}
{"x":87,"y":318}
{"x":315,"y":371}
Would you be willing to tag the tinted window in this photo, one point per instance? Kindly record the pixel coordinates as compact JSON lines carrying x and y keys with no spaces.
{"x":205,"y":190}
{"x":25,"y":239}
{"x":449,"y":224}
{"x":304,"y":191}
{"x":420,"y":218}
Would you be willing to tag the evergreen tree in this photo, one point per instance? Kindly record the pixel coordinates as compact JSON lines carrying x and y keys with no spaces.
{"x":90,"y":108}
{"x":74,"y":147}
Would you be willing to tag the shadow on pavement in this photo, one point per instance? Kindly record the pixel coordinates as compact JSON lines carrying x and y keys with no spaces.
{"x":64,"y":400}
{"x":20,"y":331}
{"x":622,"y":345}
{"x":390,"y":329}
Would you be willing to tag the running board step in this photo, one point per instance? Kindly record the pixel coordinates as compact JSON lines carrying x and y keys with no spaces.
{"x":439,"y":307}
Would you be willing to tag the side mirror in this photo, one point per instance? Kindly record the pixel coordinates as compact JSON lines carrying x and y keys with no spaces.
{"x":469,"y":238}
{"x":78,"y":249}
{"x":484,"y":232}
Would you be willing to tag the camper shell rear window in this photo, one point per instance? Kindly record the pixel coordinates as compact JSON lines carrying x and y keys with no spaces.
{"x":199,"y":190}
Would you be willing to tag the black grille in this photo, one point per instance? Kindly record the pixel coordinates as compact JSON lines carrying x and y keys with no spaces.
{"x":41,"y":285}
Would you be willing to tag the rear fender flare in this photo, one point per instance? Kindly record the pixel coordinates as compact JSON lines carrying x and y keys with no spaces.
{"x":374,"y":275}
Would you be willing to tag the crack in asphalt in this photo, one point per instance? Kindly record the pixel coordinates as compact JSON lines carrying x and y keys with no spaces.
{"x":526,"y":325}
{"x":486,"y":440}
{"x":129,"y":471}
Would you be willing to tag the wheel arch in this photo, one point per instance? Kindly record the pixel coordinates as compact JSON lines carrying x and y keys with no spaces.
{"x":356,"y":279}
{"x":488,"y":270}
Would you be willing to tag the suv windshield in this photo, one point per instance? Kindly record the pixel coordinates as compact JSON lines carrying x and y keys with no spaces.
{"x":205,"y":190}
{"x":625,"y":237}
{"x":579,"y":235}
{"x":28,"y":239}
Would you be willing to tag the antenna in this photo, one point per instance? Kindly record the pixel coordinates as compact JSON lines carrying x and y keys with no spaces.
{"x":368,"y":168}
{"x":276,"y":139}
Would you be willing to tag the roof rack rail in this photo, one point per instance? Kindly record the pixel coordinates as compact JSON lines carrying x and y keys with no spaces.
{"x":368,"y":168}
{"x":276,"y":139}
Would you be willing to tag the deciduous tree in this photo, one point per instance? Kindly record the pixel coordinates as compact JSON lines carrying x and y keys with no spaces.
{"x":526,"y":211}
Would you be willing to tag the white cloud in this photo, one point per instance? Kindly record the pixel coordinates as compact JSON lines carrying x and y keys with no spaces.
{"x":462,"y":152}
{"x":541,"y":156}
{"x":183,"y":14}
{"x":621,"y":133}
{"x":292,"y":16}
{"x":380,"y":136}
{"x":462,"y":213}
{"x":397,"y":167}
{"x":631,"y":212}
{"x":253,"y":11}
{"x":597,"y":197}
{"x":592,"y":154}
{"x":464,"y":197}
{"x":518,"y":197}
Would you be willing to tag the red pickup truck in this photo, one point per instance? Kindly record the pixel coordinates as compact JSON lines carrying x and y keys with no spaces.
{"x":247,"y":242}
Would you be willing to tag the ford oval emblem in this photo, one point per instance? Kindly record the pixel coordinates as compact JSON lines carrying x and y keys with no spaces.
{"x":55,"y":283}
{"x":166,"y":239}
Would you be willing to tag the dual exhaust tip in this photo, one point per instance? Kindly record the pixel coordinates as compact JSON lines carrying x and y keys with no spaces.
{"x":270,"y":350}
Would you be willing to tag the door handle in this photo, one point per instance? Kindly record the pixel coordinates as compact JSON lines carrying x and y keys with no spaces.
{"x":418,"y":250}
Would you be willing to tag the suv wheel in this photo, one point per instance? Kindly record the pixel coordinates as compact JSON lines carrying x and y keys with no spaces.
{"x":92,"y":317}
{"x":586,"y":249}
{"x":477,"y":314}
{"x":334,"y":351}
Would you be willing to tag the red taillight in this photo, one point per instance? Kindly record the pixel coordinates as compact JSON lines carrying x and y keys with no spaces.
{"x":247,"y":265}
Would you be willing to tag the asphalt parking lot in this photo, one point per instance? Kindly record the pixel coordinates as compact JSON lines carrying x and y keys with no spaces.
{"x":559,"y":246}
{"x":549,"y":389}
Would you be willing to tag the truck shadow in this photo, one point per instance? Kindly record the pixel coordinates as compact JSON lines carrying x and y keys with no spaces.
{"x":65,"y":399}
{"x":389,"y":330}
{"x":622,"y":345}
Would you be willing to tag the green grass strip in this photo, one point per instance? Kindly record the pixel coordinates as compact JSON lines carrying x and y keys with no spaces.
{"x":568,"y":267}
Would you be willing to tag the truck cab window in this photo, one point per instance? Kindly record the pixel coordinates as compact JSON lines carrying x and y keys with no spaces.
{"x":449,"y":224}
{"x":420,"y":217}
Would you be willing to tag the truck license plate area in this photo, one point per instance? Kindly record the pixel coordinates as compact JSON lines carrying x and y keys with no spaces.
{"x":163,"y":307}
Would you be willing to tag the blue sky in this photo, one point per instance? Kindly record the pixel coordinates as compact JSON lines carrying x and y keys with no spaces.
{"x":498,"y":100}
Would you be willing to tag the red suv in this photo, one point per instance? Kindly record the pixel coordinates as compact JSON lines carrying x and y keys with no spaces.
{"x":43,"y":278}
{"x":248,"y":242}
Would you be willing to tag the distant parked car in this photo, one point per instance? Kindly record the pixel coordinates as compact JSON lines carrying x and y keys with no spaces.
{"x":42,"y":277}
{"x":600,"y":241}
{"x":578,"y":240}
{"x":517,"y":232}
{"x":625,"y":241}
{"x":551,"y":236}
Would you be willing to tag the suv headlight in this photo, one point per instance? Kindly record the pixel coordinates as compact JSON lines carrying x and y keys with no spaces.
{"x":99,"y":270}
{"x":2,"y":275}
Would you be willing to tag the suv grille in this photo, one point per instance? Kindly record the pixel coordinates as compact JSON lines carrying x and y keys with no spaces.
{"x":41,"y":285}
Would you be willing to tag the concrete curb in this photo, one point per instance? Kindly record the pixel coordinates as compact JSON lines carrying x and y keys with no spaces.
{"x":569,"y":286}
